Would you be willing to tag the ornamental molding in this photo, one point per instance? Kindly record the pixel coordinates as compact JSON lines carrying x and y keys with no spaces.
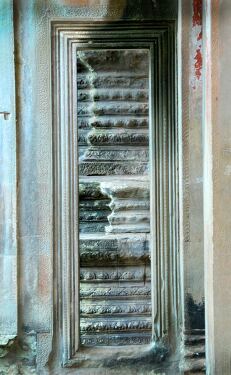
{"x":67,"y":39}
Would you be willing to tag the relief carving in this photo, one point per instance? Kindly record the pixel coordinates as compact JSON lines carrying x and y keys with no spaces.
{"x":103,"y":138}
{"x":109,"y":81}
{"x":87,"y":325}
{"x":115,"y":309}
{"x":103,"y":160}
{"x":89,"y":291}
{"x":114,"y":197}
{"x":122,"y":339}
{"x":113,"y":122}
{"x":122,"y":273}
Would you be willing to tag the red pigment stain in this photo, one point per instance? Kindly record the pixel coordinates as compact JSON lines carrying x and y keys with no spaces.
{"x":198,"y":63}
{"x":197,"y":21}
{"x":199,"y":36}
{"x":197,"y":12}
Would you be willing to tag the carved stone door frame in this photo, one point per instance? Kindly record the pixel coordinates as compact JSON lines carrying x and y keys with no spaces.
{"x":159,"y":38}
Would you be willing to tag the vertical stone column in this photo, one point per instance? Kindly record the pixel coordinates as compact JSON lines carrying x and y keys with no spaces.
{"x":191,"y":182}
{"x":8,"y":243}
{"x":217,"y":184}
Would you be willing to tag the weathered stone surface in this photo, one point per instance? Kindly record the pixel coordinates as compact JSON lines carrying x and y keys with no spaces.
{"x":114,"y":291}
{"x":121,"y":273}
{"x":107,"y":325}
{"x":116,"y":108}
{"x":95,"y":154}
{"x":108,"y":257}
{"x":127,"y":228}
{"x":111,"y":249}
{"x":111,"y":168}
{"x":90,"y":190}
{"x":119,"y":339}
{"x":82,"y":137}
{"x":86,"y":227}
{"x":132,"y":217}
{"x":9,"y":176}
{"x":96,"y":216}
{"x":132,"y":189}
{"x":94,"y":204}
{"x":95,"y":242}
{"x":111,"y":59}
{"x":107,"y":122}
{"x":133,"y":243}
{"x":115,"y":307}
{"x":117,"y":137}
{"x":129,"y":204}
{"x":131,"y":221}
{"x":112,"y":95}
{"x":35,"y":138}
{"x":193,"y":350}
{"x":112,"y":117}
{"x":192,"y":366}
{"x":91,"y":81}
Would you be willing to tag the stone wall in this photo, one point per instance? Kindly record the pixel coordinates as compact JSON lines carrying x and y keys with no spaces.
{"x":36,"y":316}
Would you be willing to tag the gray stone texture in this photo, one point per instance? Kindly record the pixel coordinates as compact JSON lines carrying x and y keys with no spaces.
{"x":8,"y":198}
{"x":35,"y":167}
{"x":113,"y":100}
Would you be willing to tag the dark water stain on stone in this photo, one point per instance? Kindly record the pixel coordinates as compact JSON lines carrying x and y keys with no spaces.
{"x":195,"y":313}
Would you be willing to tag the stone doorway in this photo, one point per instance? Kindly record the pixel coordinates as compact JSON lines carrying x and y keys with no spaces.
{"x":116,"y":192}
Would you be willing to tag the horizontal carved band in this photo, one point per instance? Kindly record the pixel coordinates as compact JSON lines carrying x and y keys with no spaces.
{"x":114,"y":291}
{"x":129,"y":204}
{"x":122,"y":273}
{"x":112,"y":168}
{"x":93,"y":227}
{"x":126,"y":189}
{"x":112,"y":95}
{"x":114,"y":309}
{"x":133,"y":189}
{"x":100,"y":325}
{"x":112,"y":138}
{"x":93,"y":216}
{"x":107,"y":81}
{"x":131,"y":249}
{"x":132,"y":221}
{"x":108,"y":257}
{"x":127,"y":228}
{"x":126,"y":122}
{"x":119,"y":339}
{"x":112,"y":109}
{"x":91,"y":190}
{"x":94,"y":204}
{"x":94,"y":154}
{"x":132,"y":217}
{"x":133,"y":244}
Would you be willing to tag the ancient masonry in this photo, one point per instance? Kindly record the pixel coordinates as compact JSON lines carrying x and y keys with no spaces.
{"x":114,"y":197}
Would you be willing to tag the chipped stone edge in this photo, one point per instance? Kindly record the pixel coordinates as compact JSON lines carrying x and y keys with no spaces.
{"x":6,"y":341}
